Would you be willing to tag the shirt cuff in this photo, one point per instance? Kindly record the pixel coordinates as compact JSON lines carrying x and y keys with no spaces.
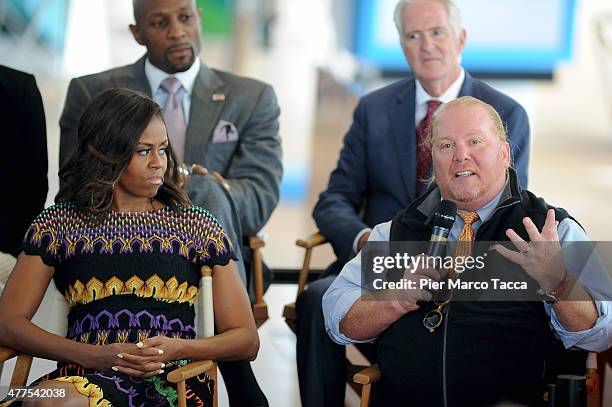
{"x":340,"y":309}
{"x":595,"y":339}
{"x":356,"y":241}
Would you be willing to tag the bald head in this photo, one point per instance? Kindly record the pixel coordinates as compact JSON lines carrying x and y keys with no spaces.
{"x":143,"y":7}
{"x":170,"y":29}
{"x":138,"y":7}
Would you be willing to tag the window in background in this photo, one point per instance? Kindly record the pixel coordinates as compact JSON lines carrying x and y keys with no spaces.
{"x":514,"y":39}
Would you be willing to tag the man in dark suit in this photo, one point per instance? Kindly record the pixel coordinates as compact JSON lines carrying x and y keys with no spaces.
{"x":223,"y":126}
{"x":23,"y":173}
{"x":383,"y":166}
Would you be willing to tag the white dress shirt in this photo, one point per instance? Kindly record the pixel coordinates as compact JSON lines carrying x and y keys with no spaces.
{"x":155,"y":76}
{"x":422,"y":97}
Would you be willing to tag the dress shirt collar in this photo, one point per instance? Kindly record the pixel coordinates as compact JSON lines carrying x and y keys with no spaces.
{"x":487,"y":210}
{"x":155,"y":76}
{"x":422,"y":97}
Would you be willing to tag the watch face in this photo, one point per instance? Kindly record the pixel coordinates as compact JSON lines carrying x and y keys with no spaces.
{"x":549,"y":297}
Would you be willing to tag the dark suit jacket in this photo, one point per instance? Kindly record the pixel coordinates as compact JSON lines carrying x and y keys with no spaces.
{"x":376,"y":173}
{"x":252,"y":164}
{"x":23,"y":167}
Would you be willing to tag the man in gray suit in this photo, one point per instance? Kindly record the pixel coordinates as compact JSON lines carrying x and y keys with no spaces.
{"x":231,"y":122}
{"x":222,"y":126}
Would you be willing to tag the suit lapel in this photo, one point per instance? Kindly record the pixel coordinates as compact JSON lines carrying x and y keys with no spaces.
{"x":133,"y":77}
{"x":204,"y":113}
{"x":404,"y":131}
{"x":469,"y":87}
{"x":402,"y":125}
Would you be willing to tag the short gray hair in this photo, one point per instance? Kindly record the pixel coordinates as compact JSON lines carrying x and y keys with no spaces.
{"x":452,"y":12}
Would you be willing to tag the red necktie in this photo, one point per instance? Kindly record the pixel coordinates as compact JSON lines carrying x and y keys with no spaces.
{"x":423,"y":152}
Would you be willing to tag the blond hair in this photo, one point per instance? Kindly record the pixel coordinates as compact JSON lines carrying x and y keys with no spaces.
{"x":496,"y":122}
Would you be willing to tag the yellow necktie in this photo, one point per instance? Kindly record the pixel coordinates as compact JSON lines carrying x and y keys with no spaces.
{"x":466,"y":238}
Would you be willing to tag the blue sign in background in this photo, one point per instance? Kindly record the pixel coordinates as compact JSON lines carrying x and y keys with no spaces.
{"x":519,"y":36}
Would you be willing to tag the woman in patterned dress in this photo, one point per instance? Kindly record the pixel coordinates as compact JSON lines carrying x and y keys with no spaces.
{"x":125,"y":247}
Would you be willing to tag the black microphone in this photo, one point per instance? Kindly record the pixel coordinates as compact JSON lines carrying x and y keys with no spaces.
{"x":444,"y":218}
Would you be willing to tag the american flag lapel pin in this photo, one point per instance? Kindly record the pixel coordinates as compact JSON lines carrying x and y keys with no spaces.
{"x":218,"y":97}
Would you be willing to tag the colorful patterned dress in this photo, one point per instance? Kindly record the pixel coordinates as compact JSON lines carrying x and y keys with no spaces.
{"x":127,"y":277}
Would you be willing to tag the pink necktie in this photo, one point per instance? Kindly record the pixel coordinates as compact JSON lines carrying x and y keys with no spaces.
{"x":422,"y":148}
{"x":174,"y":116}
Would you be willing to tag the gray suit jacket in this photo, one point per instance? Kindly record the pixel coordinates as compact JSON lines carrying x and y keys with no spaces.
{"x":251,"y":164}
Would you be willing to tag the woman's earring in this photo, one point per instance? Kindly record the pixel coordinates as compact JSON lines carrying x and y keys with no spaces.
{"x":113,"y":186}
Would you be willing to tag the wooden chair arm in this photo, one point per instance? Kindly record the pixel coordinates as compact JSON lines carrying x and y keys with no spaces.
{"x":260,"y":308}
{"x":369,"y":375}
{"x":314,"y":240}
{"x":6,"y":354}
{"x":366,"y":378}
{"x":22,"y":365}
{"x":190,"y":370}
{"x":180,"y":375}
{"x":256,"y":242}
{"x":309,"y":243}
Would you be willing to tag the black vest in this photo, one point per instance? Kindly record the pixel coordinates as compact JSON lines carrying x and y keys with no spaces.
{"x":484,"y":352}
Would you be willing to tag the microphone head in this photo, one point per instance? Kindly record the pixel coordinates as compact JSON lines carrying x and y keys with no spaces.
{"x":445,"y":214}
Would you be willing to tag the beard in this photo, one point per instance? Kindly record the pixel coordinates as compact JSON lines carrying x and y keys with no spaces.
{"x":180,"y":65}
{"x":465,"y":195}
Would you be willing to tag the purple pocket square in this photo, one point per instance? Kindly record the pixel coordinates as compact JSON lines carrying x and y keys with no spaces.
{"x":225,"y":132}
